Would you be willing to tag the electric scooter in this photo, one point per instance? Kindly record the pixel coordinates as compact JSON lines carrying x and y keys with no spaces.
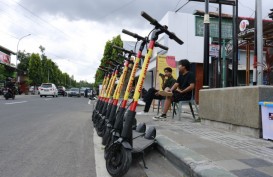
{"x":114,"y":125}
{"x":101,"y":93}
{"x":104,"y":99}
{"x":107,"y":102}
{"x":119,"y":156}
{"x":114,"y":101}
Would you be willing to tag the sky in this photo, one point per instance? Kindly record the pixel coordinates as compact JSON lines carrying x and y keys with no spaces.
{"x":74,"y":33}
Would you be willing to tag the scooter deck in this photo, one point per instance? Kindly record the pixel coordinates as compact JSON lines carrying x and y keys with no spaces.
{"x":141,"y":143}
{"x":137,"y":134}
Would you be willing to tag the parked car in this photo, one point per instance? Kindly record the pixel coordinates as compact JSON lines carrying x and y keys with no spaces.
{"x":61,"y":91}
{"x":74,"y":92}
{"x":48,"y":89}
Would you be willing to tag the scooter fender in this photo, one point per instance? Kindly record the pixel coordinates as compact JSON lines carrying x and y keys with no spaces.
{"x":126,"y":145}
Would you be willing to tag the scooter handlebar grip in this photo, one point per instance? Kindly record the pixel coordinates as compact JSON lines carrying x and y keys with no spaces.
{"x":117,"y":47}
{"x":161,"y":46}
{"x":133,"y":35}
{"x":115,"y":61}
{"x":129,"y":33}
{"x":148,"y":17}
{"x":174,"y":37}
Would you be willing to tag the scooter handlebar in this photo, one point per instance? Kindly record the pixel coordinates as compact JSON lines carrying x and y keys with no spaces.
{"x":149,"y":18}
{"x":102,"y":69}
{"x":163,"y":28}
{"x":161,"y":46}
{"x":124,"y":50}
{"x":174,"y":37}
{"x":143,"y":39}
{"x":114,"y":61}
{"x":133,"y":35}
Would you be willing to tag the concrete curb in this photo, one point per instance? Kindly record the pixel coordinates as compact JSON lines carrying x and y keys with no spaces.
{"x":190,"y":162}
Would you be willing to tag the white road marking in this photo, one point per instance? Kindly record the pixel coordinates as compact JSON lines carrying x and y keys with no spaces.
{"x":99,"y":156}
{"x":16,"y":102}
{"x":48,"y":99}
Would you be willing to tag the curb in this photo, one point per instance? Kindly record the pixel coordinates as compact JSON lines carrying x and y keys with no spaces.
{"x":190,"y":162}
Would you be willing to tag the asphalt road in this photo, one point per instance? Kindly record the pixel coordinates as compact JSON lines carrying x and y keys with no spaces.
{"x":54,"y":137}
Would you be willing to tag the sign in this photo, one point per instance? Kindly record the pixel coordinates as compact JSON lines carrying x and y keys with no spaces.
{"x":243,"y":25}
{"x":214,"y":28}
{"x":161,"y":63}
{"x":213,"y":50}
{"x":246,"y":26}
{"x":4,"y":58}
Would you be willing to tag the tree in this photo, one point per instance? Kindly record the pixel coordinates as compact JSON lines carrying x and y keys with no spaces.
{"x":24,"y":61}
{"x":109,"y":53}
{"x":35,"y":69}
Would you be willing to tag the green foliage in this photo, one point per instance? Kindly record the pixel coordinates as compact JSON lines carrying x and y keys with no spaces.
{"x":2,"y":70}
{"x":35,"y":66}
{"x":40,"y":69}
{"x":109,"y":53}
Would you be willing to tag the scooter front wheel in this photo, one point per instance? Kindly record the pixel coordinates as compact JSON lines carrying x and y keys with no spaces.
{"x":119,"y":160}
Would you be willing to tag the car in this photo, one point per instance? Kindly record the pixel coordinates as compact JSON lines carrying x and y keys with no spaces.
{"x":48,"y":89}
{"x":61,"y":91}
{"x":74,"y":92}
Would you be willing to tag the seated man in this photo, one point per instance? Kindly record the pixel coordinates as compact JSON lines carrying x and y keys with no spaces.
{"x":154,"y":94}
{"x":181,"y":90}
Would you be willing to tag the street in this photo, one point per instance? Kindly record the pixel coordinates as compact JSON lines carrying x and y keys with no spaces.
{"x":45,"y":137}
{"x":49,"y":137}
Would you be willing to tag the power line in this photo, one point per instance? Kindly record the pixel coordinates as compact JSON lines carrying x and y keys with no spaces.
{"x":40,"y":18}
{"x":177,"y":4}
{"x":117,"y":9}
{"x":182,"y":6}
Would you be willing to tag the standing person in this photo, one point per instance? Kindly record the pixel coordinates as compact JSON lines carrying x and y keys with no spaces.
{"x":181,"y":90}
{"x":86,"y":93}
{"x":154,"y":94}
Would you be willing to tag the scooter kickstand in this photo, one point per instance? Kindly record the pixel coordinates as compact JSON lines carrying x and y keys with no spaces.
{"x":144,"y":160}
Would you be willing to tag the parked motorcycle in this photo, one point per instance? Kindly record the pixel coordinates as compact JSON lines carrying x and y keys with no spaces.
{"x":8,"y":93}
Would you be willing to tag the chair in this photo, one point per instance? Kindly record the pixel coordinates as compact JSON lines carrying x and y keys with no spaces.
{"x":160,"y":103}
{"x":179,"y":107}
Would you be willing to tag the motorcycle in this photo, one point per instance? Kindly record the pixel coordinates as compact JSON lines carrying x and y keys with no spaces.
{"x":8,"y":93}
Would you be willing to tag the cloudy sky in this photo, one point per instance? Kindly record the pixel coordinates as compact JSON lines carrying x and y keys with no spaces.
{"x":74,"y":33}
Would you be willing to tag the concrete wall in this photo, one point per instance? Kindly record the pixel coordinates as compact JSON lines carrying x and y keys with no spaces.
{"x":236,"y":106}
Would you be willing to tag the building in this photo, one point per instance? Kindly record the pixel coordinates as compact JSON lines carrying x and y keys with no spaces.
{"x":7,"y":70}
{"x":189,"y":28}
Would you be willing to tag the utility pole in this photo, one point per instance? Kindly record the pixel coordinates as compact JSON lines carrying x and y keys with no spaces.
{"x":235,"y":45}
{"x":259,"y":38}
{"x":219,"y":43}
{"x":206,"y":46}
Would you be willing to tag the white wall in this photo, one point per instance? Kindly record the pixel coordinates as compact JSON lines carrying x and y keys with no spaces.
{"x":183,"y":25}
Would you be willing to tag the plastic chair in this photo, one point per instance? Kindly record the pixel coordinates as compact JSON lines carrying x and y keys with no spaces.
{"x":179,"y":107}
{"x":160,"y":103}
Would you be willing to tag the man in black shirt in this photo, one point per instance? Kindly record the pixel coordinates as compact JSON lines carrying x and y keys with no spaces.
{"x":154,"y":94}
{"x":181,"y":90}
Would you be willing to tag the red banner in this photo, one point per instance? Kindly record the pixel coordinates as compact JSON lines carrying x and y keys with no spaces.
{"x":4,"y":58}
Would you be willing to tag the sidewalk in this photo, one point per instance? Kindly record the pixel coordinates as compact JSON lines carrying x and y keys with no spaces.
{"x":200,"y":150}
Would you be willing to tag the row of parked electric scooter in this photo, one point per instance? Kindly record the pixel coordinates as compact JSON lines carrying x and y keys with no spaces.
{"x":117,"y":125}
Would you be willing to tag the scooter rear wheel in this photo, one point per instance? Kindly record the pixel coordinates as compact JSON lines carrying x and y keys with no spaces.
{"x":119,"y":160}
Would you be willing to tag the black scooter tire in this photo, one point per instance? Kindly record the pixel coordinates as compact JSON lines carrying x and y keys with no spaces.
{"x":119,"y":160}
{"x":101,"y":127}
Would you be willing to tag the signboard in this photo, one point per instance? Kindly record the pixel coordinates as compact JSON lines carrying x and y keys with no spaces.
{"x":161,"y":63}
{"x":246,"y":26}
{"x":213,"y":50}
{"x":214,"y":28}
{"x":4,"y":58}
